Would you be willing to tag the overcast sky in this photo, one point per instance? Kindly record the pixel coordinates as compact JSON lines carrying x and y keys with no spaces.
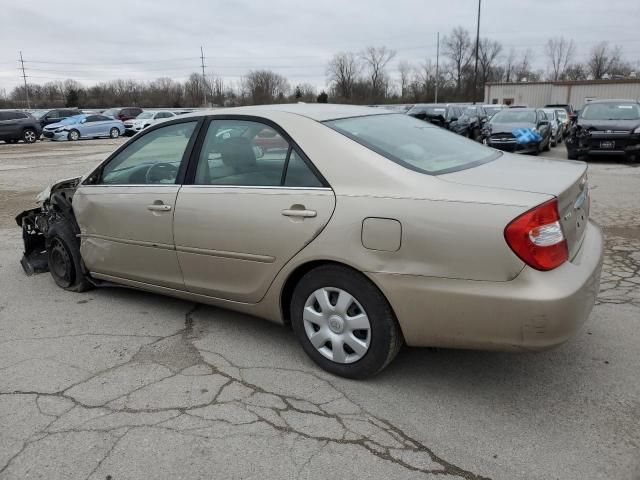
{"x":94,"y":41}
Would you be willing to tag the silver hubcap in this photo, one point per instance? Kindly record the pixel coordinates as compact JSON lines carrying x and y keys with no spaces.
{"x":114,"y":133}
{"x":337,"y":325}
{"x":74,"y":135}
{"x":29,"y":136}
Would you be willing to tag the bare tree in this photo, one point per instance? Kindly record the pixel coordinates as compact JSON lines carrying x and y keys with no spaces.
{"x":510,"y":66}
{"x":457,"y":47}
{"x":560,"y":52}
{"x":376,"y":59}
{"x":488,"y":53}
{"x":404,"y":68}
{"x":523,"y":67}
{"x":343,"y":70}
{"x":576,"y":71}
{"x":265,"y":86}
{"x":606,"y":60}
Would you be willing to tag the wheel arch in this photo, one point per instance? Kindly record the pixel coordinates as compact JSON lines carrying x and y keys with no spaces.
{"x":301,"y":270}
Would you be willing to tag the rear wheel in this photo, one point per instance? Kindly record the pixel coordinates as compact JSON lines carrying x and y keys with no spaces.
{"x":114,"y":133}
{"x":547,"y":145}
{"x":63,"y":254}
{"x":29,"y":135}
{"x":344,"y":323}
{"x":73,"y":135}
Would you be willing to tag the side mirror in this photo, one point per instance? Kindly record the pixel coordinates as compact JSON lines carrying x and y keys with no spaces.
{"x":84,"y":120}
{"x":453,"y":119}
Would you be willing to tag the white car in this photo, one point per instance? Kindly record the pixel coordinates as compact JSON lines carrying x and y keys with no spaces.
{"x":146,"y":119}
{"x":557,"y":127}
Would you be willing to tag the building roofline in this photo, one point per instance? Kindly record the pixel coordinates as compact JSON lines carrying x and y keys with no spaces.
{"x":569,"y":82}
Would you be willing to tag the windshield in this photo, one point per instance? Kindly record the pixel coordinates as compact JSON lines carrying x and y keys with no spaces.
{"x":551,"y":114}
{"x":492,"y":110}
{"x":471,"y":111}
{"x":39,"y":113}
{"x":145,"y":115}
{"x":71,"y":120}
{"x":514,"y":116}
{"x":433,"y":111}
{"x":413,"y":143}
{"x":562,"y":114}
{"x":611,"y":111}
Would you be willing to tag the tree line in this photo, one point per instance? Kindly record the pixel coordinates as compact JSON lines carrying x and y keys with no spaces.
{"x":360,"y":77}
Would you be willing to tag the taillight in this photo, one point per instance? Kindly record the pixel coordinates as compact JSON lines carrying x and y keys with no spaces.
{"x":537,"y":238}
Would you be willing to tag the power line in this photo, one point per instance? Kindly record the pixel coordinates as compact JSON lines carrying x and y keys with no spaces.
{"x":204,"y":78}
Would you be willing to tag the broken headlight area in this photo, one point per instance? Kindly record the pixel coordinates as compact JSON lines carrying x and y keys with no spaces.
{"x":56,"y":207}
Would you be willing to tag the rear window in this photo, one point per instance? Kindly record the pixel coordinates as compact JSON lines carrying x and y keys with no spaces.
{"x":414,"y":144}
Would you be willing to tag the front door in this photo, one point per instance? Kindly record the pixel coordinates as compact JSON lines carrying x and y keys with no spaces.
{"x":249,"y":210}
{"x":125,"y":209}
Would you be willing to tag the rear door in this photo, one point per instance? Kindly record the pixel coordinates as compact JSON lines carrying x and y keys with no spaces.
{"x":9,"y":126}
{"x":248,"y":211}
{"x":125,"y":208}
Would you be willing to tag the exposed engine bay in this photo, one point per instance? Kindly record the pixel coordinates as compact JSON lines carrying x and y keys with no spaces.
{"x":55,"y":207}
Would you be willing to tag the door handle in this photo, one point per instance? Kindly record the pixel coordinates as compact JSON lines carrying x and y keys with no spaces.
{"x":291,"y":212}
{"x":159,"y":207}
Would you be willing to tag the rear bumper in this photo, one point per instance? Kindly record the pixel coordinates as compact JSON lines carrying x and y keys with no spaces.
{"x":536,"y":310}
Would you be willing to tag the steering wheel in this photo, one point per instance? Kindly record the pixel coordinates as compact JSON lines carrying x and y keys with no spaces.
{"x":161,"y":171}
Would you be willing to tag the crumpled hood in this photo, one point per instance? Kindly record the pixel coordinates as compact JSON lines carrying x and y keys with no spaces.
{"x":45,"y":194}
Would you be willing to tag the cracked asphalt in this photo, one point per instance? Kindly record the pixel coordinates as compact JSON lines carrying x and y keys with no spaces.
{"x":116,"y":384}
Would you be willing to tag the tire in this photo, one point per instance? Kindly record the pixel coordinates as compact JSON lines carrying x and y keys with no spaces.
{"x":114,"y":132}
{"x":29,"y":135}
{"x":73,"y":135}
{"x":63,"y":255}
{"x":383,"y":337}
{"x":554,"y":143}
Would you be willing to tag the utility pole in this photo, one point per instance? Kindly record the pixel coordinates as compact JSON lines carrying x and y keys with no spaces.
{"x":437,"y":66}
{"x":475,"y":75}
{"x":24,"y":77}
{"x":204,"y":78}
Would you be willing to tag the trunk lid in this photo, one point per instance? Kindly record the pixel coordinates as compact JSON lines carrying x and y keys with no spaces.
{"x":563,"y":179}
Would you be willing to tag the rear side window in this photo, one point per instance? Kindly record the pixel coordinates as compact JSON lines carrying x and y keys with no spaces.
{"x":414,"y":144}
{"x":20,"y":115}
{"x":252,"y":154}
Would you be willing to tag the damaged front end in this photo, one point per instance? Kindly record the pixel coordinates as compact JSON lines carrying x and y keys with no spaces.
{"x":55,"y":206}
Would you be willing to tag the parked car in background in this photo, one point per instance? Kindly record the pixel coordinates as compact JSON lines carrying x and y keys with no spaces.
{"x":447,"y":116}
{"x":493,"y":108}
{"x":146,"y":119}
{"x":556,"y":125}
{"x":47,"y":117}
{"x":123,"y":114}
{"x":477,"y":117}
{"x":520,"y":130}
{"x":563,"y":116}
{"x":565,"y":106}
{"x":84,"y":126}
{"x":606,"y":127}
{"x":16,"y":125}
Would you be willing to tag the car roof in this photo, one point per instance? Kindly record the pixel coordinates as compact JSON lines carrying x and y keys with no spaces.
{"x":613,"y":100}
{"x":315,"y":111}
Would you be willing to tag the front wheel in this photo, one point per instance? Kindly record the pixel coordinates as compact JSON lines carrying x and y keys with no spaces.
{"x":114,"y":133}
{"x":63,"y":254}
{"x":73,"y":135}
{"x":344,"y":323}
{"x":29,"y":136}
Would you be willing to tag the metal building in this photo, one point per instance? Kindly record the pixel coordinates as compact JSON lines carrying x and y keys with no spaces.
{"x":576,"y":93}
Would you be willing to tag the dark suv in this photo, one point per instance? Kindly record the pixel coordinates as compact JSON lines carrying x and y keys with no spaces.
{"x":47,"y":117}
{"x":122,"y":114}
{"x":451,"y":117}
{"x":16,"y":125}
{"x":606,"y":127}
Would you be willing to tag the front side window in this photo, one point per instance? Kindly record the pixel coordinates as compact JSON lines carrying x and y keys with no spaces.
{"x":414,"y":144}
{"x":248,"y":153}
{"x":152,"y":159}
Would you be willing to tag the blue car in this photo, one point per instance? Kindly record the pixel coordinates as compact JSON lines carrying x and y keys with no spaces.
{"x":84,"y":126}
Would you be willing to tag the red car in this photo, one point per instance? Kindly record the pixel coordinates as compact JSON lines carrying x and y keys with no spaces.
{"x":122,"y":114}
{"x":268,"y":139}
